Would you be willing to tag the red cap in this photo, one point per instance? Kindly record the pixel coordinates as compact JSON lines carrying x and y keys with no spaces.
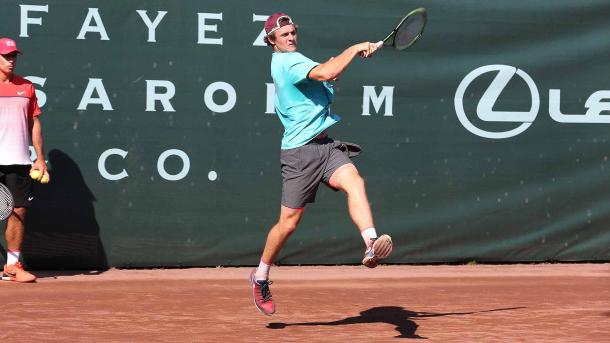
{"x":277,"y":20}
{"x":7,"y":46}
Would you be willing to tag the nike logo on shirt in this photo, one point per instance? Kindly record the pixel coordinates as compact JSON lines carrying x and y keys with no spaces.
{"x":20,"y":93}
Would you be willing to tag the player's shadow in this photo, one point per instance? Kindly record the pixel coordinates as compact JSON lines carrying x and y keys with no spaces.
{"x":394,"y":315}
{"x":61,"y":231}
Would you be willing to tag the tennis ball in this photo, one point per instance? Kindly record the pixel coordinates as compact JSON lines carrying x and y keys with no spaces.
{"x":35,"y":174}
{"x":45,"y":178}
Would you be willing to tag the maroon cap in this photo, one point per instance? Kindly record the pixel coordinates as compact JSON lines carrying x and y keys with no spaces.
{"x":277,"y":20}
{"x":7,"y":46}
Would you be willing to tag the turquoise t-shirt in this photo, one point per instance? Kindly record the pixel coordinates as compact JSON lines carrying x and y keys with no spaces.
{"x":303,"y":105}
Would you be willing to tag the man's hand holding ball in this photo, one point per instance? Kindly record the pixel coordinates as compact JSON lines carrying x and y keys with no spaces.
{"x":40,"y":176}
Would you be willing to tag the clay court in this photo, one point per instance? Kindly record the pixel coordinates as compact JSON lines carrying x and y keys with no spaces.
{"x":473,"y":303}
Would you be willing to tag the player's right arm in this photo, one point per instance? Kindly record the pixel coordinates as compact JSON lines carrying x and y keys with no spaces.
{"x":332,"y":68}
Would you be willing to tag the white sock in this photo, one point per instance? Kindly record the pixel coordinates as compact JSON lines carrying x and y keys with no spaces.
{"x":262,"y":272}
{"x":368,"y":234}
{"x":12,"y":257}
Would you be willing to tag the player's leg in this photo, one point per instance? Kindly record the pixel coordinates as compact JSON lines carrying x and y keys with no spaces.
{"x":15,"y":229}
{"x":347,"y":179}
{"x":277,"y":237}
{"x":302,"y":172}
{"x":19,"y":183}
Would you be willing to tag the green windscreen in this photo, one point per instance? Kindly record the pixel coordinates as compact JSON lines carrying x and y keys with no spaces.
{"x":488,"y":140}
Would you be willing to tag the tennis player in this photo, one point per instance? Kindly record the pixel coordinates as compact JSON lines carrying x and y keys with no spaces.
{"x":308,"y":155}
{"x":19,"y":123}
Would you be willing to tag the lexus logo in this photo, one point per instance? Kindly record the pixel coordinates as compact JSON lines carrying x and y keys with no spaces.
{"x":485,"y":109}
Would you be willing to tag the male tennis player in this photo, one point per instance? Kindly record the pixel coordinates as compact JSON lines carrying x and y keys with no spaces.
{"x":308,"y":156}
{"x":19,"y":123}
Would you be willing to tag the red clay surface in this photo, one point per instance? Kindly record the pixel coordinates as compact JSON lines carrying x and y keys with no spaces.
{"x":480,"y":303}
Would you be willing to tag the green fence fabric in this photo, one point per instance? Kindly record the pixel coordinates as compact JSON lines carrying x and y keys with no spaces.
{"x":487,"y":140}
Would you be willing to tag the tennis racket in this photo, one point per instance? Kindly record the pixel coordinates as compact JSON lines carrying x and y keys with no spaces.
{"x":6,"y":202}
{"x":408,"y":31}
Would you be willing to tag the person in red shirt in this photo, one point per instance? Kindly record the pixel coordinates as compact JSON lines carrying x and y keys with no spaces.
{"x":19,"y":124}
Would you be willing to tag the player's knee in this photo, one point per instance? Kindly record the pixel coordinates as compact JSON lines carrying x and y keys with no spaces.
{"x":287,"y":227}
{"x":355,"y":185}
{"x":360,"y":182}
{"x":19,"y":213}
{"x":289,"y":220}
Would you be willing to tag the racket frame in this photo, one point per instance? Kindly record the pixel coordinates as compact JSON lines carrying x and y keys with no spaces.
{"x":389,"y":39}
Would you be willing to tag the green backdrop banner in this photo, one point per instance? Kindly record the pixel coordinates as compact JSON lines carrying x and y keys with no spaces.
{"x":487,"y":140}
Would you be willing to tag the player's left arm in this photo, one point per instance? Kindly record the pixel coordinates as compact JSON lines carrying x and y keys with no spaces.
{"x":38,"y":143}
{"x":36,"y":133}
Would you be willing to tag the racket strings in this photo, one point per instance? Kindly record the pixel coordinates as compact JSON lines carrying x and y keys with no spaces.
{"x":408,"y":32}
{"x":410,"y":29}
{"x":6,"y":202}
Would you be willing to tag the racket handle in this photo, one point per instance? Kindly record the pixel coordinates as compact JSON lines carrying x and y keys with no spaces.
{"x":379,"y":44}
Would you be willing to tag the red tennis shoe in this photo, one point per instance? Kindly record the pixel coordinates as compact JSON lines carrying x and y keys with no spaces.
{"x":15,"y":272}
{"x":262,"y":295}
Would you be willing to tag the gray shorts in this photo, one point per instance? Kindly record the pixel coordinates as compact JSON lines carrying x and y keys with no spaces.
{"x":303,"y":168}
